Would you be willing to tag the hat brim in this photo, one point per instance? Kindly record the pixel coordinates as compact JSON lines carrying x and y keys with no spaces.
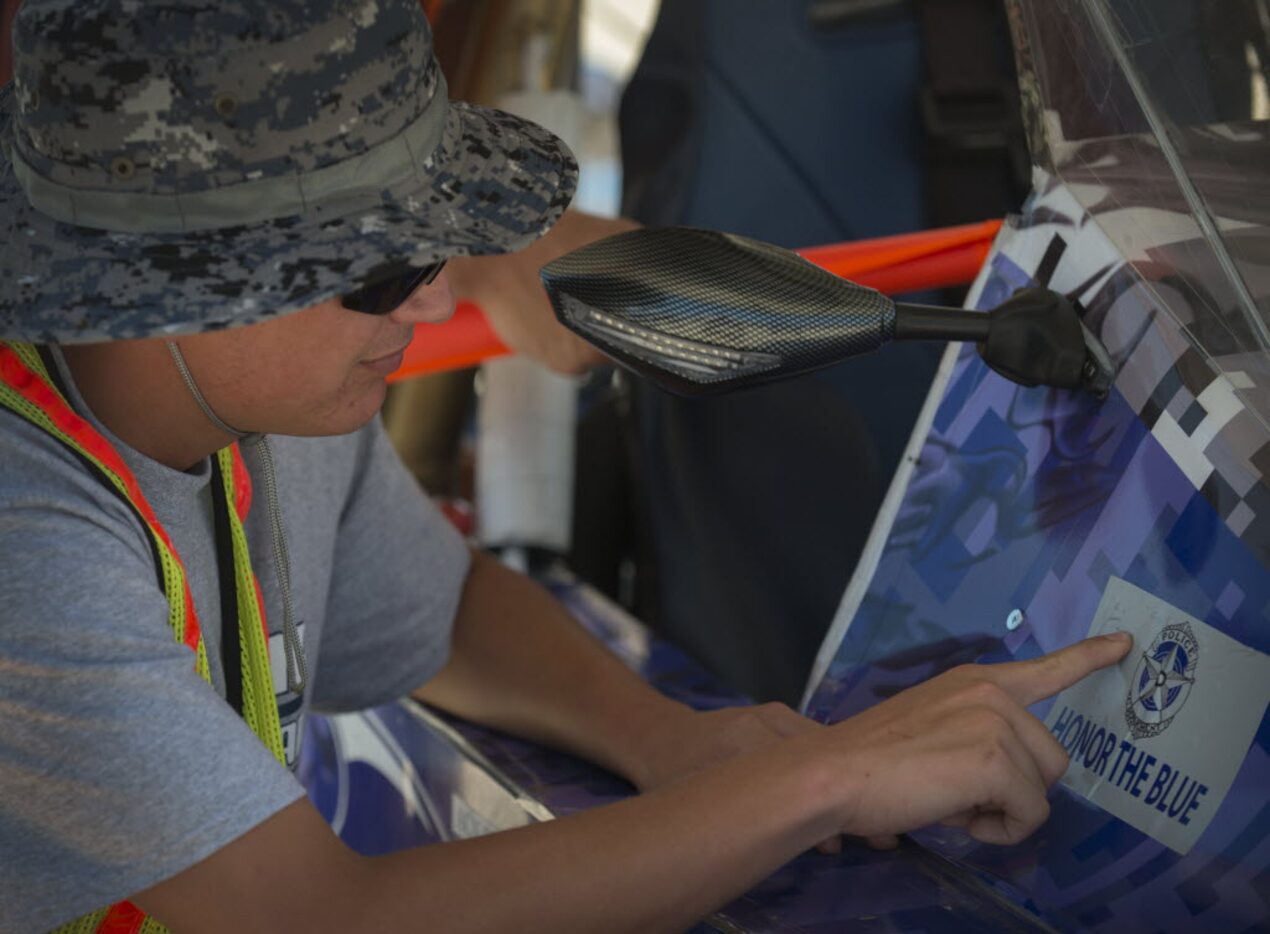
{"x":494,"y":183}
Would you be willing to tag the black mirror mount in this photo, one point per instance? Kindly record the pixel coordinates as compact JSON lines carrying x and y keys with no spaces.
{"x":1035,"y":339}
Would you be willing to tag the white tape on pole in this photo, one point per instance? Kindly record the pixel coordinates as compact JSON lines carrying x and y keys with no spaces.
{"x":527,"y":415}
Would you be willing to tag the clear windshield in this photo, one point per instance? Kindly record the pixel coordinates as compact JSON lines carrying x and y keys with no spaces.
{"x":1155,"y":114}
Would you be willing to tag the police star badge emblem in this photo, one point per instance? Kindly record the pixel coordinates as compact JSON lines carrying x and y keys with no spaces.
{"x":1162,"y":681}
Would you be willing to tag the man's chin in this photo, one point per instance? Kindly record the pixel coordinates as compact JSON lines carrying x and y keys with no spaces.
{"x":346,"y":419}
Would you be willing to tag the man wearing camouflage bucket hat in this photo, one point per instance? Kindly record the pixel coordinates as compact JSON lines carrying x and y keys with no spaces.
{"x":220,"y":224}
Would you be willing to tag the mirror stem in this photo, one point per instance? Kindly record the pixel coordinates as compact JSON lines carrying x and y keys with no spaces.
{"x":932,"y":323}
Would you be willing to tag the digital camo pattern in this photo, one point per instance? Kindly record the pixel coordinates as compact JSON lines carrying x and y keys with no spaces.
{"x":119,"y":95}
{"x":196,"y":97}
{"x":1033,"y":500}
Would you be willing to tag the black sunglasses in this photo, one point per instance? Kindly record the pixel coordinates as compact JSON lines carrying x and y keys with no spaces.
{"x":384,"y":294}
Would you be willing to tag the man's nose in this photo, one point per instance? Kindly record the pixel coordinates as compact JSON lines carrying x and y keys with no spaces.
{"x":428,"y":304}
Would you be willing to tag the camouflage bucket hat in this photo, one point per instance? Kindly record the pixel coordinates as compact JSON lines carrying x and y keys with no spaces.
{"x":178,"y":167}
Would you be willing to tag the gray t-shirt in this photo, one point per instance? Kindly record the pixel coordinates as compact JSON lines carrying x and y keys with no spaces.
{"x":119,"y":765}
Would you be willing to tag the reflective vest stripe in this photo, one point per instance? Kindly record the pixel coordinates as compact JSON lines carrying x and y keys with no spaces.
{"x":242,"y":486}
{"x":88,"y":924}
{"x":122,"y":918}
{"x":260,"y":708}
{"x":27,"y":388}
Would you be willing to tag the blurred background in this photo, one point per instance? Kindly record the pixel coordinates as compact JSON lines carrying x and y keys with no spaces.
{"x":732,"y":524}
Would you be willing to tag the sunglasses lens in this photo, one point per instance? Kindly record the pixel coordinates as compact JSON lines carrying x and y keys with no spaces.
{"x":385,"y":295}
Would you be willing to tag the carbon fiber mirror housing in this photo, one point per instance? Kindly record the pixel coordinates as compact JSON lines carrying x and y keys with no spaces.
{"x":699,"y":312}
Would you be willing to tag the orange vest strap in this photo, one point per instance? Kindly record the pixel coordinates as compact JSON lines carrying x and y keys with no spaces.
{"x":36,"y":389}
{"x":122,"y":918}
{"x":24,"y":376}
{"x":242,"y":485}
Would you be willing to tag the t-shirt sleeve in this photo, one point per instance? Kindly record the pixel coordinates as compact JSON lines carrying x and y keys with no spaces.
{"x":397,"y":576}
{"x":119,"y":765}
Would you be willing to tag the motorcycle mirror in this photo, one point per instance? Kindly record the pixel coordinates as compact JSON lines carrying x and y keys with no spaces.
{"x":700,"y":311}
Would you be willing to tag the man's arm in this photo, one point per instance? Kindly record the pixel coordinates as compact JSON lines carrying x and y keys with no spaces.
{"x":519,"y":663}
{"x":960,"y":748}
{"x":620,"y":868}
{"x":508,"y":290}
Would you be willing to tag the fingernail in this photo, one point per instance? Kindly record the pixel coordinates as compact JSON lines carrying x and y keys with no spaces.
{"x":1120,"y":636}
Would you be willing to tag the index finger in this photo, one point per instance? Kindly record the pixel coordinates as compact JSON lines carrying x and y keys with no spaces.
{"x":1033,"y":680}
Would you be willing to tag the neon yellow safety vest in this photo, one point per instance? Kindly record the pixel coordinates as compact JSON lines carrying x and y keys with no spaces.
{"x":29,"y":388}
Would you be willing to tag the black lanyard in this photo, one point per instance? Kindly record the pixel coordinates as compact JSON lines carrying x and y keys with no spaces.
{"x":230,"y":640}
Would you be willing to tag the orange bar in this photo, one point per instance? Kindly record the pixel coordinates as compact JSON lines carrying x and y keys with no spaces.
{"x":913,"y":262}
{"x":850,"y":259}
{"x":942,"y":270}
